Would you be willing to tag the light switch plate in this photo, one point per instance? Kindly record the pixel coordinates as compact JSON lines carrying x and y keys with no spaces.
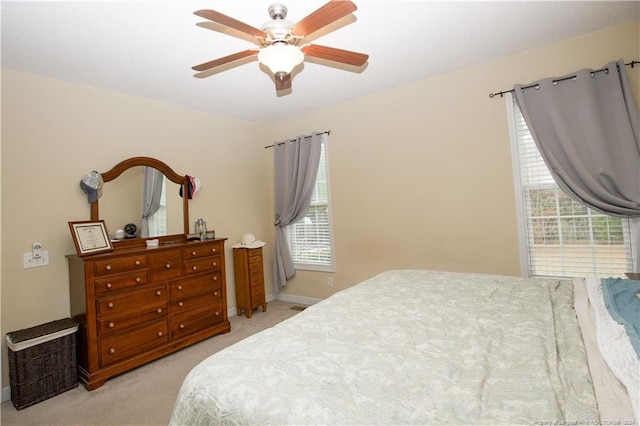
{"x":34,"y":262}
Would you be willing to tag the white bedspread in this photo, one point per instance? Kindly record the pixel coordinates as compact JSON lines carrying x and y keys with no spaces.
{"x":406,"y":347}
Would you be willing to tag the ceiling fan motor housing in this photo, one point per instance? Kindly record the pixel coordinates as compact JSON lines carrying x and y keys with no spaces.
{"x":278,"y":28}
{"x":278,"y":11}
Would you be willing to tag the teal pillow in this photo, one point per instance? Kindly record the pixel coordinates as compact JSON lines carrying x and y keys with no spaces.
{"x":622,"y":298}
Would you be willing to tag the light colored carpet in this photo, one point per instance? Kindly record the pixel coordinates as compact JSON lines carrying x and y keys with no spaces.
{"x":144,"y":396}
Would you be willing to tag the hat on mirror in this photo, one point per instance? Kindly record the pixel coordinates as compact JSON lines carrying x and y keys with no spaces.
{"x":249,"y":241}
{"x":194,"y":186}
{"x":91,"y":184}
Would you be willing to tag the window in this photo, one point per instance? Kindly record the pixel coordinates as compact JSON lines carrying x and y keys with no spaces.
{"x":560,"y":237}
{"x":310,"y":239}
{"x":157,"y":222}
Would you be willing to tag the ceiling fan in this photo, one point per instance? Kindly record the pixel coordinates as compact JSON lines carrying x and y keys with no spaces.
{"x":280,"y":43}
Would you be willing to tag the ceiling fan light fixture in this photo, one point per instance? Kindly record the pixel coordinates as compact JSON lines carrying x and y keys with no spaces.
{"x":280,"y":57}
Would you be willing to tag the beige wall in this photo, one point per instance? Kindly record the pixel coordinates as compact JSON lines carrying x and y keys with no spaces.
{"x":420,"y":175}
{"x":54,"y":132}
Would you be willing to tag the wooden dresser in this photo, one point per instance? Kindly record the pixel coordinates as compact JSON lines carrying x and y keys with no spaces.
{"x":137,"y":304}
{"x":249,"y":273}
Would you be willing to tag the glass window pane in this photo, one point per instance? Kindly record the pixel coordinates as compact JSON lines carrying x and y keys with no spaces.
{"x":563,"y":237}
{"x":310,"y":238}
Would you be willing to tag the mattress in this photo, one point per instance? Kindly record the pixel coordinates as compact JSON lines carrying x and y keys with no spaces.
{"x":406,"y":347}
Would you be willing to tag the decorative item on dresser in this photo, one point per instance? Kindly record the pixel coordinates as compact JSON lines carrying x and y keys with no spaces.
{"x":249,"y":275}
{"x":143,"y":301}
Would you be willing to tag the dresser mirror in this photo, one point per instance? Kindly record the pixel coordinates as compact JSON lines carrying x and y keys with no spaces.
{"x":122,"y":202}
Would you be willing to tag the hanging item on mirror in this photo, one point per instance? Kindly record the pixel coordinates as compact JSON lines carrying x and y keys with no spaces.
{"x":91,"y":184}
{"x":194,"y":186}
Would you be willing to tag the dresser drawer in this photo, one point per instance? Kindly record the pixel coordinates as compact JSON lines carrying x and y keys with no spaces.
{"x":199,"y":250}
{"x":131,"y":302}
{"x":256,"y":280}
{"x":119,"y":265}
{"x":255,"y":269}
{"x":188,"y":303}
{"x":191,"y":286}
{"x":196,"y":320}
{"x":165,"y":265}
{"x":202,"y":265}
{"x":118,"y":324}
{"x":126,"y":345}
{"x":257,"y":293}
{"x":117,"y":282}
{"x":255,"y":256}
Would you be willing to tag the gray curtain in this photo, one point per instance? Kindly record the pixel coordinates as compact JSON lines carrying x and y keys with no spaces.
{"x":587,"y":129}
{"x":295,"y":170}
{"x":151,"y":193}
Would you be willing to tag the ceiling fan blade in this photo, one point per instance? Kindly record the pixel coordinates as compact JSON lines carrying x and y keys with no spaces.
{"x":225,"y":60}
{"x":219,"y":18}
{"x":324,"y":16}
{"x":337,"y":55}
{"x":283,"y":82}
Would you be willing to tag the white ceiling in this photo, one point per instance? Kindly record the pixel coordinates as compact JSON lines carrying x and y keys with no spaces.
{"x":147,"y":48}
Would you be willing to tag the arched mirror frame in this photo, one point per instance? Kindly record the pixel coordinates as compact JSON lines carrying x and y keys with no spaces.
{"x":121,"y":167}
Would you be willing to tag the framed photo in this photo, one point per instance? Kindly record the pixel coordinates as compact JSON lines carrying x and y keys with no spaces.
{"x":90,"y":237}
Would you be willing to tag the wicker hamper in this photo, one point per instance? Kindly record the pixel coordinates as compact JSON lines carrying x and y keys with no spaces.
{"x":42,"y":362}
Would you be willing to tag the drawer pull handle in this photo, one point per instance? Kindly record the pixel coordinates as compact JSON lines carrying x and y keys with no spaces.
{"x":193,"y":253}
{"x":213,"y":250}
{"x":181,"y":304}
{"x":111,"y":325}
{"x":217,"y":313}
{"x":179,"y":288}
{"x":138,"y":279}
{"x":158,"y":293}
{"x":137,"y":263}
{"x":215,"y":293}
{"x":159,"y":310}
{"x":160,"y":333}
{"x":110,"y":305}
{"x":215,"y":278}
{"x":112,"y":350}
{"x":108,"y":267}
{"x":194,"y":268}
{"x":214,"y":263}
{"x":181,"y":326}
{"x":109,"y":285}
{"x":168,"y":266}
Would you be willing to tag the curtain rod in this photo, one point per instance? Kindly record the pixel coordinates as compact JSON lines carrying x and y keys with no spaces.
{"x":328,"y":132}
{"x":503,"y":92}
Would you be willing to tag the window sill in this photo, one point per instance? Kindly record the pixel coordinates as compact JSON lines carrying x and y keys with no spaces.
{"x":314,"y":267}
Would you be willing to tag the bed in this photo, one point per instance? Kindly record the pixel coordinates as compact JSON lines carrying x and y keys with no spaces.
{"x":419,"y":347}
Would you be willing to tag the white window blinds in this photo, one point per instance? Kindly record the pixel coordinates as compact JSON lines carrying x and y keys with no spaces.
{"x":561,"y":237}
{"x":310,"y":238}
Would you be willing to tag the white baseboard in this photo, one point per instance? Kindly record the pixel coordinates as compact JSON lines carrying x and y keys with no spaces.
{"x":232,"y":312}
{"x":298,"y":299}
{"x":6,"y":393}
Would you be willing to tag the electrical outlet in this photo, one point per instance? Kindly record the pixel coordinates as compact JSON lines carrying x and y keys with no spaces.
{"x":329,"y":282}
{"x":36,"y":250}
